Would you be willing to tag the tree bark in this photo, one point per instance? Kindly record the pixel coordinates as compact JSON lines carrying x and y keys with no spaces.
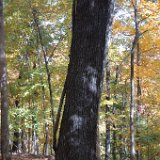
{"x":4,"y":92}
{"x":138,"y":100}
{"x":132,"y":106}
{"x":46,"y":143}
{"x":58,"y":117}
{"x":138,"y":152}
{"x":78,"y":133}
{"x":23,"y":145}
{"x":16,"y":135}
{"x":114,"y":134}
{"x":35,"y":145}
{"x":108,"y":125}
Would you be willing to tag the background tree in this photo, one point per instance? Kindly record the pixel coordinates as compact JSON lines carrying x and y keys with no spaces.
{"x":4,"y":92}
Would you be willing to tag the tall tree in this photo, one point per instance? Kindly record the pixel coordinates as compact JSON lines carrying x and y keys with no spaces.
{"x":16,"y":135}
{"x":4,"y":94}
{"x":108,"y":125}
{"x":78,"y":133}
{"x":132,"y":106}
{"x":138,"y":79}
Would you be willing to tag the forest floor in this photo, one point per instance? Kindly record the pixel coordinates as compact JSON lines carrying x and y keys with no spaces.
{"x":30,"y":157}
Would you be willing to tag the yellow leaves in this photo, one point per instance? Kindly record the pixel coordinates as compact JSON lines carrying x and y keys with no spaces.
{"x":117,"y":26}
{"x":106,"y":102}
{"x":120,"y":27}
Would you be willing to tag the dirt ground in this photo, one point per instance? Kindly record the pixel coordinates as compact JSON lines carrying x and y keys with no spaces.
{"x":30,"y":157}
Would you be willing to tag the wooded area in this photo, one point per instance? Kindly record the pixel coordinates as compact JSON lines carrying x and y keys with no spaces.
{"x":80,"y":80}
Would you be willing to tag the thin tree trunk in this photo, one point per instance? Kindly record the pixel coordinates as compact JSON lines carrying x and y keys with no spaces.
{"x":29,"y":140}
{"x":138,"y":82}
{"x":16,"y":135}
{"x":58,"y":117}
{"x":23,"y":141}
{"x":29,"y":134}
{"x":4,"y":92}
{"x":46,"y":143}
{"x":114,"y":135}
{"x":108,"y":125}
{"x":78,"y":133}
{"x":132,"y":107}
{"x":114,"y":154}
{"x":35,"y":146}
{"x":138,"y":101}
{"x":35,"y":17}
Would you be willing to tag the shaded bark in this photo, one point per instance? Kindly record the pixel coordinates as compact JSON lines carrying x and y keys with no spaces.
{"x":98,"y":141}
{"x":23,"y":145}
{"x":58,"y":117}
{"x":78,"y":132}
{"x":114,"y":154}
{"x":4,"y":92}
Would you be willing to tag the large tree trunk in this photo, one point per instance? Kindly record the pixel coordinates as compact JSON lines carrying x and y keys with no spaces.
{"x":78,"y":133}
{"x":4,"y":94}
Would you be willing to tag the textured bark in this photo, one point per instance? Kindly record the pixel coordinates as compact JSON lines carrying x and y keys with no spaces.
{"x":98,"y":141}
{"x":4,"y":92}
{"x":78,"y":133}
